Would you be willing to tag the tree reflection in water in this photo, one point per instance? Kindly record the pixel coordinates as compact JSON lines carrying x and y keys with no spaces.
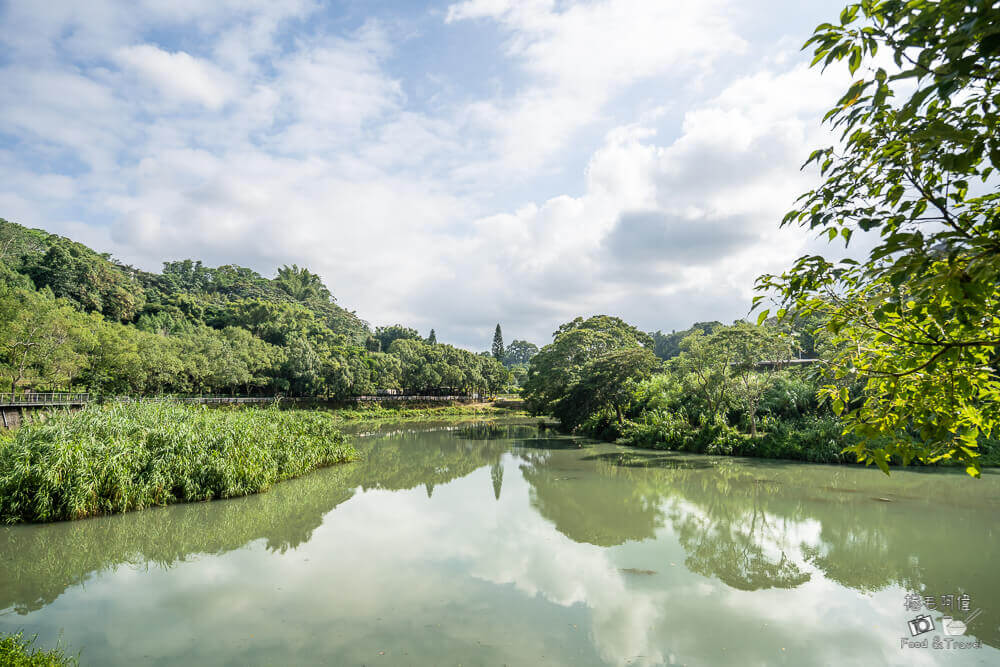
{"x":757,"y":525}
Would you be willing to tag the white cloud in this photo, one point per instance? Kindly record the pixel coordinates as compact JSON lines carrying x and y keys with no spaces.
{"x":580,"y":57}
{"x":177,"y":76}
{"x":329,"y":89}
{"x":664,"y":234}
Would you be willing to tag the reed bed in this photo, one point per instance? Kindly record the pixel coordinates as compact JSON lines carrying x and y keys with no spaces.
{"x":124,"y":457}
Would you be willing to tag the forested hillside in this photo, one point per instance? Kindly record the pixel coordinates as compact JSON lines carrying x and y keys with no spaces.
{"x":74,"y":318}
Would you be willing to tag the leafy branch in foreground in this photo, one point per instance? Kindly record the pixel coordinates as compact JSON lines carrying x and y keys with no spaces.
{"x":916,"y":320}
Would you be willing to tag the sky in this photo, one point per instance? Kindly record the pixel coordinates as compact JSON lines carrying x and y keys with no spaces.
{"x":445,"y":165}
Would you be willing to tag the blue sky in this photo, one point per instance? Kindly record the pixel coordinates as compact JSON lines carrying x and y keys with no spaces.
{"x":445,"y":165}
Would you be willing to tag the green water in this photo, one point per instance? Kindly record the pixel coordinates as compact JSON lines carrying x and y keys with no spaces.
{"x":493,"y":545}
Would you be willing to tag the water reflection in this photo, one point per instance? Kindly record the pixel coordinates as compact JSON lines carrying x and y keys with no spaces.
{"x":756,"y":524}
{"x":588,"y":508}
{"x":41,"y":561}
{"x":490,"y":543}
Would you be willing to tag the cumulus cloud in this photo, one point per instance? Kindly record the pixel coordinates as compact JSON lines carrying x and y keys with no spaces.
{"x":177,"y":76}
{"x":665,"y":233}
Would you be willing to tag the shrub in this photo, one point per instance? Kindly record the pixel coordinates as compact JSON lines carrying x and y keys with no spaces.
{"x":602,"y":426}
{"x":790,"y":395}
{"x":813,"y":438}
{"x":715,"y":437}
{"x":818,"y":439}
{"x":657,"y":430}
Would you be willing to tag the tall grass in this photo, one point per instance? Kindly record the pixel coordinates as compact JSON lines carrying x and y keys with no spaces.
{"x":19,"y":651}
{"x":123,"y":457}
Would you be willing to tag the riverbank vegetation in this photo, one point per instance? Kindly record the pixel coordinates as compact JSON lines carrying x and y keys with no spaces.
{"x":18,"y":651}
{"x":736,"y":390}
{"x":124,"y":457}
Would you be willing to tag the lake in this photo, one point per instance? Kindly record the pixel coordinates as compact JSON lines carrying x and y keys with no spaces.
{"x":497,"y":544}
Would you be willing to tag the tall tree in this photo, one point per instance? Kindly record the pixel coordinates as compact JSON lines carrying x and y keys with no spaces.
{"x":43,"y":340}
{"x":605,"y":383}
{"x":555,"y":370}
{"x":76,"y":272}
{"x":498,"y":344}
{"x":916,"y":321}
{"x":519,"y":352}
{"x":432,"y":339}
{"x":746,"y":346}
{"x":386,"y":335}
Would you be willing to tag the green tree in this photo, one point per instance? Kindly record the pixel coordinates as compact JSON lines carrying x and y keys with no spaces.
{"x":498,"y":344}
{"x":73,"y":271}
{"x":114,"y":365}
{"x":301,"y":284}
{"x":386,"y":335}
{"x":43,"y":340}
{"x":668,"y":346}
{"x":432,"y":339}
{"x":605,"y":383}
{"x":916,"y":321}
{"x":302,"y":370}
{"x":519,"y":352}
{"x":705,"y":370}
{"x":558,"y":365}
{"x":18,"y":243}
{"x":745,"y":346}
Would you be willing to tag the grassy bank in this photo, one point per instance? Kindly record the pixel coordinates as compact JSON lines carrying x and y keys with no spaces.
{"x":118,"y":458}
{"x":17,"y":651}
{"x":812,"y":438}
{"x":817,"y":439}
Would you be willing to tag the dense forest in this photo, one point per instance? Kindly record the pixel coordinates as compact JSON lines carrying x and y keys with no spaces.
{"x":74,"y":318}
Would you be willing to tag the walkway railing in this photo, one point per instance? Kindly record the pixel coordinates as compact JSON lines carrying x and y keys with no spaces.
{"x":410,"y":397}
{"x":33,"y":399}
{"x":196,"y":399}
{"x":57,"y":399}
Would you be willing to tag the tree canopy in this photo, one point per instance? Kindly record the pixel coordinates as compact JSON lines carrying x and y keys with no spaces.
{"x":559,"y":375}
{"x":519,"y":352}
